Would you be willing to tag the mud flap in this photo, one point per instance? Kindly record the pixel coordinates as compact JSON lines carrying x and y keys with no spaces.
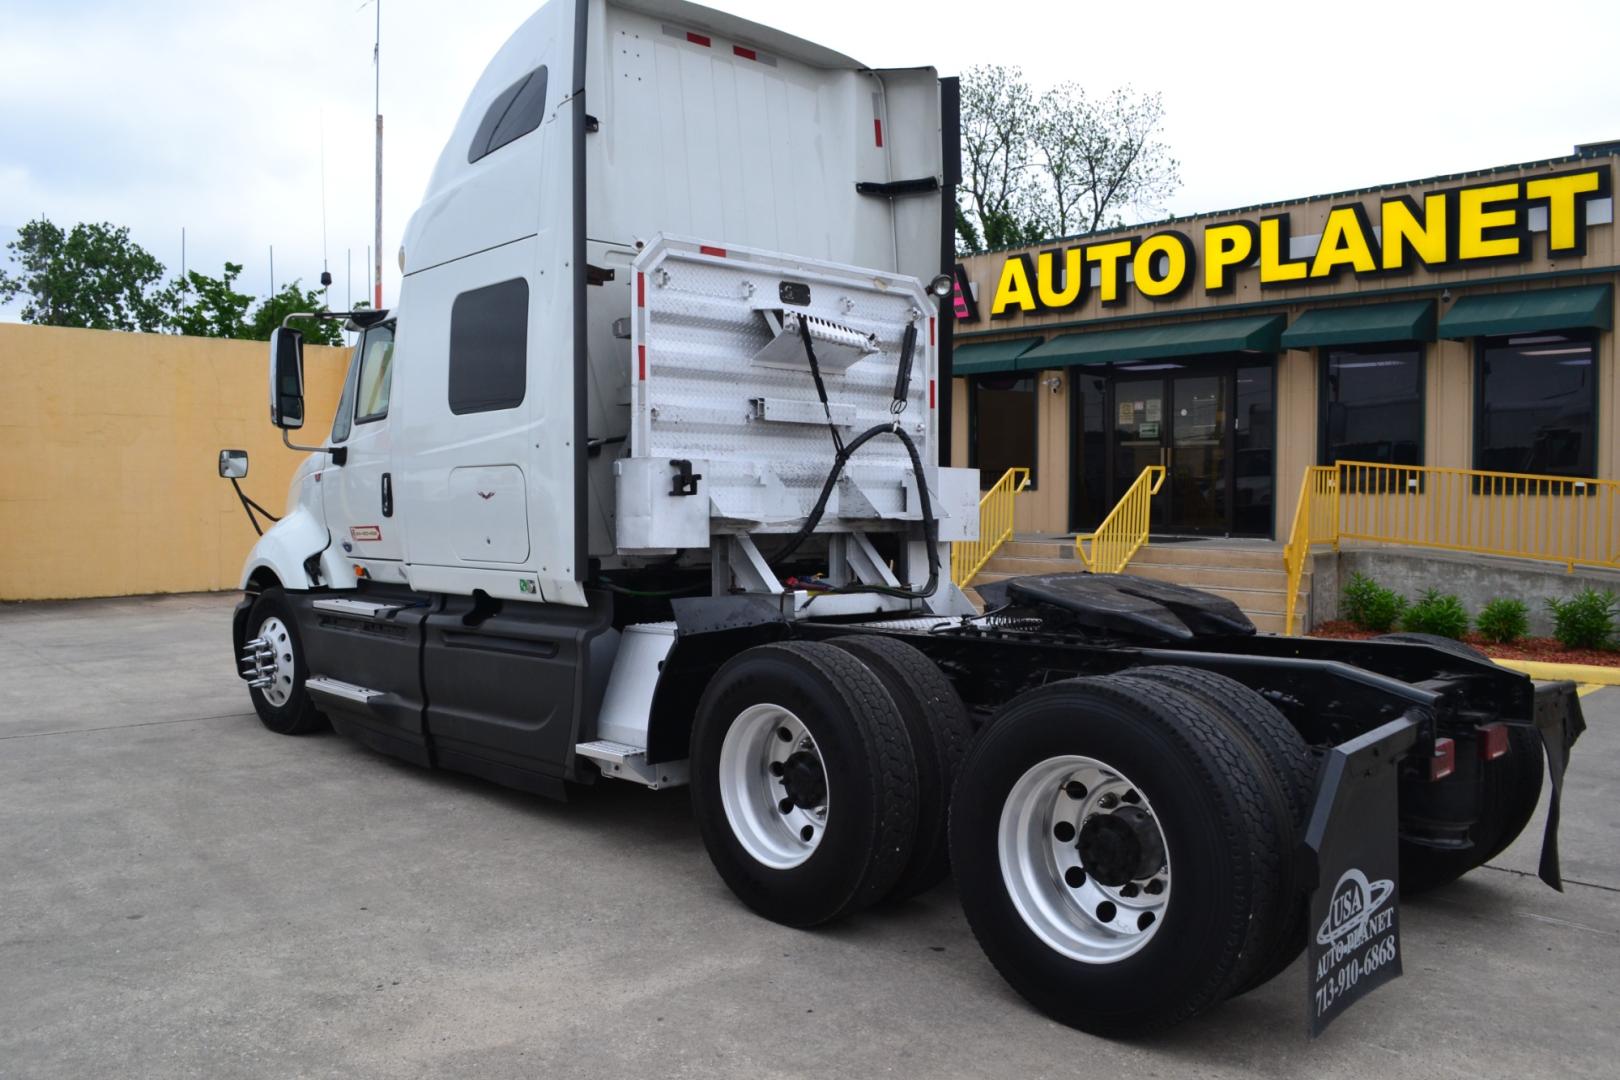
{"x":1353,"y":933}
{"x":1559,"y":718}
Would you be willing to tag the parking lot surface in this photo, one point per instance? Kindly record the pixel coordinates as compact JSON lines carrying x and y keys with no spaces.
{"x":183,"y":893}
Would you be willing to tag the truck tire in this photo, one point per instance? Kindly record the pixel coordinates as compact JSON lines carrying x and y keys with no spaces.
{"x":284,"y":706}
{"x":1082,"y":787}
{"x":937,"y":722}
{"x":1291,"y":763}
{"x":1511,"y":790}
{"x":804,"y":782}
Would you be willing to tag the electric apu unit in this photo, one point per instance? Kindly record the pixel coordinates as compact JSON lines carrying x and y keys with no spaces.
{"x":600,"y":501}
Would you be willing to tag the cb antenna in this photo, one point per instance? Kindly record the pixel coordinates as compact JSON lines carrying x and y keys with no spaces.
{"x":326,"y":274}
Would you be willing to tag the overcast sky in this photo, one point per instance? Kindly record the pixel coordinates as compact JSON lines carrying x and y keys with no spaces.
{"x":211,"y":115}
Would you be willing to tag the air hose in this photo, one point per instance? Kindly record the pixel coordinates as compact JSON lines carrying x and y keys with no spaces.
{"x":840,"y":459}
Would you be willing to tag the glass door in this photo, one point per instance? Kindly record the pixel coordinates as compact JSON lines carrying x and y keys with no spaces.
{"x":1140,"y":435}
{"x":1198,"y":450}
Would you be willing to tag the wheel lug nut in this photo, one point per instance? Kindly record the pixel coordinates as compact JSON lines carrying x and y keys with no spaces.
{"x":1106,"y":911}
{"x":786,"y":806}
{"x":1074,"y":877}
{"x":1063,"y":831}
{"x":1108,"y":801}
{"x":1129,"y":889}
{"x":1074,"y":789}
{"x":806,"y":833}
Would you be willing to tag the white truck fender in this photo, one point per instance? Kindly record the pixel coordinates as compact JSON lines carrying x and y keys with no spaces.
{"x":286,"y":545}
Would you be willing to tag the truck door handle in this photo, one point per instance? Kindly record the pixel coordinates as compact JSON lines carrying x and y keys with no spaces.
{"x":387,"y":495}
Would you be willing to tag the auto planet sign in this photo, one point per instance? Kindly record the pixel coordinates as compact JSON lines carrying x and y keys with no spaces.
{"x":1473,"y":225}
{"x":1357,"y":945}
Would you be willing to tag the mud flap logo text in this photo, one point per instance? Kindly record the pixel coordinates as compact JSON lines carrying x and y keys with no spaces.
{"x":1357,"y":938}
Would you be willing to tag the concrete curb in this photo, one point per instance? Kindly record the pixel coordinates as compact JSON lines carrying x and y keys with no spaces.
{"x":1598,"y":674}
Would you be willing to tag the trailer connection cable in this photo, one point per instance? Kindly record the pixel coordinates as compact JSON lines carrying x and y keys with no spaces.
{"x":841,"y":458}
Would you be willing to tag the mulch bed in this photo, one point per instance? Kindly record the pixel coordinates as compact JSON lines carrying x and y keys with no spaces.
{"x":1542,"y":648}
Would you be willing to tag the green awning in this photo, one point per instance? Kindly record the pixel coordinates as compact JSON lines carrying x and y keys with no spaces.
{"x":984,"y":357}
{"x":1578,"y":308}
{"x":1365,"y":324}
{"x":1256,"y":334}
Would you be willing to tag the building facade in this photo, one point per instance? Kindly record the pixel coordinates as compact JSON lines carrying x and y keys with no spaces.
{"x":1463,"y":321}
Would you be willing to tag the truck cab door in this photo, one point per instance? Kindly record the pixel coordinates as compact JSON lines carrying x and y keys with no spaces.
{"x":359,"y":494}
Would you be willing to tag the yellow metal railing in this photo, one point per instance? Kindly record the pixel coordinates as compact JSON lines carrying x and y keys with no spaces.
{"x":1527,"y":516}
{"x":1316,"y":521}
{"x":996,"y":508}
{"x":1125,"y":529}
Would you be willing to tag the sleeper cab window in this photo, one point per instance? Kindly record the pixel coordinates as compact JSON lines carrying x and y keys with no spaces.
{"x":489,"y":339}
{"x":517,"y":111}
{"x":376,"y":374}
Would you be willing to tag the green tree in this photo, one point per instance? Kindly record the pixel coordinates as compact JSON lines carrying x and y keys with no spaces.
{"x":93,"y":276}
{"x":269,"y":314}
{"x":1102,"y":157}
{"x":203,"y":306}
{"x":1048,"y":165}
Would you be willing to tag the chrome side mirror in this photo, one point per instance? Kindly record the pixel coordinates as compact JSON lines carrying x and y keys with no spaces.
{"x":287,"y":378}
{"x":233,"y":464}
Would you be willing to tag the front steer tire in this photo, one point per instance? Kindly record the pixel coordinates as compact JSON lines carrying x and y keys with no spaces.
{"x":1205,"y":793}
{"x":845,"y":742}
{"x":287,"y":709}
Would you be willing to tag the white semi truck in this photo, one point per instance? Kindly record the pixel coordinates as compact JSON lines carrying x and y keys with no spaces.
{"x":640,"y":480}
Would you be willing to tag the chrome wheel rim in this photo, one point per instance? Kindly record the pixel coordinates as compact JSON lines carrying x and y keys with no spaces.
{"x":1058,"y":809}
{"x":769,"y":763}
{"x":273,"y":633}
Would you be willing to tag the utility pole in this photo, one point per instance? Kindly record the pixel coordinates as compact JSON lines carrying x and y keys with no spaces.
{"x":272,"y":269}
{"x":376,"y":61}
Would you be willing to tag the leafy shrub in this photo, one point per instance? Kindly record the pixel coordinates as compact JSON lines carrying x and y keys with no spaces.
{"x":1437,"y":613}
{"x":1503,"y":621}
{"x":1371,"y":606}
{"x":1585,"y":621}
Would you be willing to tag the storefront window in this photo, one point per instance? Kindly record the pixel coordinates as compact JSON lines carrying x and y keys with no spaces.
{"x":1536,"y":405}
{"x":1372,"y":405}
{"x":1003,"y":419}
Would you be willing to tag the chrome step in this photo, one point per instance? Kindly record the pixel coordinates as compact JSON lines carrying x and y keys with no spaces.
{"x":622,"y":761}
{"x":337,"y":688}
{"x":342,"y":605}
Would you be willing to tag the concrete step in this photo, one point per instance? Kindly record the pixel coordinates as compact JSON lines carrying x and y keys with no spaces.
{"x":1201,"y":554}
{"x":1038,"y":549}
{"x":1200,"y":576}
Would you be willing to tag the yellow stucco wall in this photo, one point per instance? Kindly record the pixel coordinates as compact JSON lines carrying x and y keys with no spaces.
{"x":109,"y":447}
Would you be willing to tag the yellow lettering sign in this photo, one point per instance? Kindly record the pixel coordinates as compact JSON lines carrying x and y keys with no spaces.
{"x":1013,"y":290}
{"x":1477,"y":224}
{"x":1109,"y":258}
{"x":1562,"y":194}
{"x":1227,"y":248}
{"x":1346,"y":241}
{"x":1405,"y":229}
{"x":1170,"y":251}
{"x":1056,"y":294}
{"x":1276,"y":267}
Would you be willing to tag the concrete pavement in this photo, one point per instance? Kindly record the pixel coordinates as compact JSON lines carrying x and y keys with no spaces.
{"x":185,"y":894}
